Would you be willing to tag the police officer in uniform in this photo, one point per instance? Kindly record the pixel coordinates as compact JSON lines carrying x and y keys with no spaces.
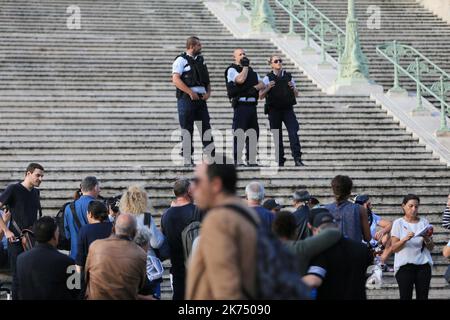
{"x":280,"y":93}
{"x":243,"y":86}
{"x":191,"y":78}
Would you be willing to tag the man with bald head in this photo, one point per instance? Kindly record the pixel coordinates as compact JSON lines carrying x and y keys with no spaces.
{"x":243,"y":86}
{"x":115,"y":267}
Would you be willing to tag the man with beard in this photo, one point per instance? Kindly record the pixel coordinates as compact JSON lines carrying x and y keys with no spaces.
{"x":243,"y":86}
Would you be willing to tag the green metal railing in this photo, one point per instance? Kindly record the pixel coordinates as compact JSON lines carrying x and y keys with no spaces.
{"x":316,"y":25}
{"x":416,"y":66}
{"x":405,"y":59}
{"x":261,"y":16}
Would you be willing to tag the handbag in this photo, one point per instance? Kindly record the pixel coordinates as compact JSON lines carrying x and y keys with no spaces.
{"x":26,"y":237}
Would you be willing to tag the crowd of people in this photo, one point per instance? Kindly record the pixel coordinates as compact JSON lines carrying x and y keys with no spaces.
{"x":213,"y":238}
{"x":220,"y":246}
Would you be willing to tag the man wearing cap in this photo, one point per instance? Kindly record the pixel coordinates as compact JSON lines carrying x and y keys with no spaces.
{"x":272,"y":205}
{"x":340,"y":271}
{"x":300,"y":201}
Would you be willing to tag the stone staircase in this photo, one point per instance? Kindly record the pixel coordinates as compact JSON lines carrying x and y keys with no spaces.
{"x":99,"y":101}
{"x":403,"y":20}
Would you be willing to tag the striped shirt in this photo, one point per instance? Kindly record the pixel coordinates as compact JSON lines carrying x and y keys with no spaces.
{"x":446,"y":218}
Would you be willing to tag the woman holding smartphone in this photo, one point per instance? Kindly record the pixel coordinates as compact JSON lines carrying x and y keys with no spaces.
{"x":412,"y":261}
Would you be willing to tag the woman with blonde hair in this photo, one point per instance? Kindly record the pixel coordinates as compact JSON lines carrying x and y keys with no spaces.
{"x":135,"y":201}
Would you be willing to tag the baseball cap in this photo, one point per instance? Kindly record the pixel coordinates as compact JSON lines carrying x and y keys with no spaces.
{"x":321,"y":218}
{"x":271,"y":204}
{"x":301,"y":195}
{"x":314,"y":212}
{"x":361,"y":199}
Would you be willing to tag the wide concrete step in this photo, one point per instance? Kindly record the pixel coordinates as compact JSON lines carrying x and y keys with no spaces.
{"x":99,"y":101}
{"x":141,"y":116}
{"x":162,"y":149}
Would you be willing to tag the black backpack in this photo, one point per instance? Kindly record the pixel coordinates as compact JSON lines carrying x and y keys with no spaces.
{"x":190,"y":233}
{"x":277,"y":269}
{"x":63,"y":241}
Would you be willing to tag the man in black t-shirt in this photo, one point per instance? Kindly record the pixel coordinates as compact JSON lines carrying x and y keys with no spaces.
{"x":180,"y":214}
{"x":339,"y":272}
{"x":23,"y":201}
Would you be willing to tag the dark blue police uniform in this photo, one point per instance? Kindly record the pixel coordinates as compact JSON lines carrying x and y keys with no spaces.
{"x":244,"y":99}
{"x":279,"y":106}
{"x":195,"y":75}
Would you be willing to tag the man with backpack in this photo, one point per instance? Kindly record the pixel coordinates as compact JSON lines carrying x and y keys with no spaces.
{"x":191,"y":78}
{"x":75,"y":214}
{"x":235,"y":257}
{"x":181,"y":215}
{"x":223,"y":265}
{"x":243,"y":85}
{"x":280,"y":93}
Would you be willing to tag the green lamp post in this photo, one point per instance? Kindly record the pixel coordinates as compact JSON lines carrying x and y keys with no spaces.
{"x":353,"y":67}
{"x":262,"y":17}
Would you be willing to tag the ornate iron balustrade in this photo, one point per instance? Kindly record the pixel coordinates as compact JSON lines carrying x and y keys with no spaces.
{"x":315,"y":25}
{"x":410,"y":62}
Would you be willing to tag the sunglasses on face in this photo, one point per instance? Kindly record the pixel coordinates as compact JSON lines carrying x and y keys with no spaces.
{"x":277,"y":61}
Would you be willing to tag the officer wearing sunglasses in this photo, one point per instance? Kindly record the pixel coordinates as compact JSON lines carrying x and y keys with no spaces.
{"x":280,"y":93}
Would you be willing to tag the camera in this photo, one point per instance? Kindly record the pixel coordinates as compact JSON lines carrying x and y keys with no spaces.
{"x":378,"y":248}
{"x":245,"y":62}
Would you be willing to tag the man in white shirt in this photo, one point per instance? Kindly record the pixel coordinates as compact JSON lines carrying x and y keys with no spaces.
{"x":243,"y":86}
{"x":191,"y":78}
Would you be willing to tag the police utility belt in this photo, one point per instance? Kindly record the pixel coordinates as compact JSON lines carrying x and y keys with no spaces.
{"x":246,"y":101}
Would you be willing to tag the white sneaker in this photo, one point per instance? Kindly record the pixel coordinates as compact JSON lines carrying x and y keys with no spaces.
{"x":375,"y":280}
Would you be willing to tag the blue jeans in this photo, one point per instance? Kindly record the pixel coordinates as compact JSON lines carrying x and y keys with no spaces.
{"x":188,"y":112}
{"x":14,"y":249}
{"x":156,"y":288}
